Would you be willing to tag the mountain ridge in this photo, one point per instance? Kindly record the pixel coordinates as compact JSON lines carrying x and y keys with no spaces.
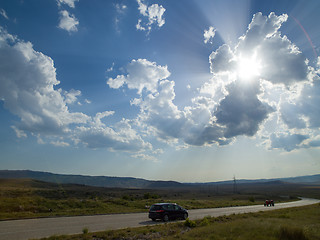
{"x":131,"y":182}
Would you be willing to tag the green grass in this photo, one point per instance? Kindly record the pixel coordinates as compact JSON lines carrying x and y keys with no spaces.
{"x":31,"y":199}
{"x":299,"y":224}
{"x":25,"y":198}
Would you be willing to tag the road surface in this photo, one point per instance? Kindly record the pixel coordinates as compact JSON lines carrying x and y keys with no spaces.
{"x":45,"y":227}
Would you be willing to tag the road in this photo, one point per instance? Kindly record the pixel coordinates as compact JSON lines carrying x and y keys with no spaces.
{"x":45,"y":227}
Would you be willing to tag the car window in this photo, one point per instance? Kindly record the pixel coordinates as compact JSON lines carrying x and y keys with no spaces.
{"x":155,"y":207}
{"x":170,"y":207}
{"x":176,"y":207}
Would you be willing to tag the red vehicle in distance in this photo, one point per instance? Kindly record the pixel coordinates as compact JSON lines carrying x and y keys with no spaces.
{"x":268,"y":203}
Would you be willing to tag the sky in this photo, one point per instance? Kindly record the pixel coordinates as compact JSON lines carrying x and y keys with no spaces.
{"x":192,"y":90}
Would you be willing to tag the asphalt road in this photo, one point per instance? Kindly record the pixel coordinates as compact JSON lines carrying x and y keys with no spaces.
{"x":45,"y":227}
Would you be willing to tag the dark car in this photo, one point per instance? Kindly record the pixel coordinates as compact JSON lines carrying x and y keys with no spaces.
{"x":166,"y":211}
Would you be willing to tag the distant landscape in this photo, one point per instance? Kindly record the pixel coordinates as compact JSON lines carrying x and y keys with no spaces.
{"x":31,"y":194}
{"x":130,"y":182}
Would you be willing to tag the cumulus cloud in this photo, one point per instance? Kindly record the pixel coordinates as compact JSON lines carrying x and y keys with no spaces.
{"x":263,"y":74}
{"x":72,"y":96}
{"x":70,"y":3}
{"x":209,"y":34}
{"x":281,"y":61}
{"x":287,"y":142}
{"x":68,"y":21}
{"x":27,"y":88}
{"x":121,"y":137}
{"x":142,"y":74}
{"x":153,"y":15}
{"x":276,"y":79}
{"x":241,"y":111}
{"x":268,"y":58}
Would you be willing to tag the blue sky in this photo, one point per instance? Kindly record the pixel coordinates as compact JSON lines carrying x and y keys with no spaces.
{"x":172,"y":90}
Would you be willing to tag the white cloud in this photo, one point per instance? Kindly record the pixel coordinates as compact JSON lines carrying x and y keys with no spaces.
{"x":228,"y":105}
{"x":27,"y":88}
{"x":68,"y":21}
{"x":60,"y":143}
{"x":71,"y":96}
{"x":101,"y":115}
{"x":142,"y":74}
{"x":120,"y":8}
{"x":120,"y":12}
{"x":70,"y":3}
{"x":281,"y":61}
{"x":209,"y":35}
{"x":4,"y":14}
{"x":110,"y":69}
{"x":232,"y":104}
{"x":140,"y":27}
{"x":19,"y":133}
{"x":280,"y":64}
{"x":121,"y":137}
{"x":145,"y":157}
{"x":153,"y":14}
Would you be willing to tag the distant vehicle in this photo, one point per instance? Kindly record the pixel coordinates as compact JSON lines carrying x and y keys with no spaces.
{"x":167,"y":211}
{"x":268,"y":203}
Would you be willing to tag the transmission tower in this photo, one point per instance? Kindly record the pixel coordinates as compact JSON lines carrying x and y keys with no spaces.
{"x":234,"y":184}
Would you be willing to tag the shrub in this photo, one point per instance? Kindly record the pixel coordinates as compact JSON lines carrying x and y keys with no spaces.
{"x":190,"y":223}
{"x":149,"y":196}
{"x":125,"y":197}
{"x":85,"y":230}
{"x":205,"y":221}
{"x":291,"y":233}
{"x":251,"y":199}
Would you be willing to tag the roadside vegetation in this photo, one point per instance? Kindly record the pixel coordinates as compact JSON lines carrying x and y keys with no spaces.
{"x":286,"y":224}
{"x":25,"y":198}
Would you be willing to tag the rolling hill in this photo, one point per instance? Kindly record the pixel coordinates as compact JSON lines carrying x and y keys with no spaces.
{"x":130,"y":182}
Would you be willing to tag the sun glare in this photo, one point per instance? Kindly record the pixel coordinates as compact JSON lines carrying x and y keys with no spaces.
{"x":248,"y":67}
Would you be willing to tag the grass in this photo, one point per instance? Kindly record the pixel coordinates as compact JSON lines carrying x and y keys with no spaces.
{"x":299,"y":224}
{"x":25,"y":198}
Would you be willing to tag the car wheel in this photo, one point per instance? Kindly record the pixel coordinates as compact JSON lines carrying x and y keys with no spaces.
{"x":165,"y":218}
{"x":185,"y":216}
{"x":153,"y":219}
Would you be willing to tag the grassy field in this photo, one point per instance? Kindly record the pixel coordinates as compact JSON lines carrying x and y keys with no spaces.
{"x":25,"y":198}
{"x":286,"y":224}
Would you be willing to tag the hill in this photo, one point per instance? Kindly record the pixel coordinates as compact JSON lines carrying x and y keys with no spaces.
{"x":130,"y":182}
{"x":97,"y":181}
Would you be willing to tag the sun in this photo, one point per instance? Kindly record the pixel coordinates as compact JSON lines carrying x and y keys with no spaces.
{"x":248,"y":67}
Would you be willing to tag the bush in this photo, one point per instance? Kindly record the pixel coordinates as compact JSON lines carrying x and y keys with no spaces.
{"x":149,"y":196}
{"x":190,"y":223}
{"x":125,"y":197}
{"x":205,"y":221}
{"x":291,"y":233}
{"x":85,"y":230}
{"x":251,"y":199}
